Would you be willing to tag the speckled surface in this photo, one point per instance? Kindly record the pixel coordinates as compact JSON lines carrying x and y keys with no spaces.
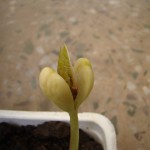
{"x":113,"y":34}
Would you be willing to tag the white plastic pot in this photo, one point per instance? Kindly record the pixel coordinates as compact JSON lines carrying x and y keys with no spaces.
{"x":95,"y":124}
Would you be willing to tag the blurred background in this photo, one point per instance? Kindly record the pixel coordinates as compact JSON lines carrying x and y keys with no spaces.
{"x":113,"y":34}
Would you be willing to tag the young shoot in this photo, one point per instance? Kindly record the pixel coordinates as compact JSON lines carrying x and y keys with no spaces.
{"x":68,"y":87}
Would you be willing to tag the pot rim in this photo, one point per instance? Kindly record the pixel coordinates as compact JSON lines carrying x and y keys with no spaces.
{"x":95,"y":124}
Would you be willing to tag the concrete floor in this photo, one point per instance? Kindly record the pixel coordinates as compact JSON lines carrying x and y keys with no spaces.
{"x":113,"y":34}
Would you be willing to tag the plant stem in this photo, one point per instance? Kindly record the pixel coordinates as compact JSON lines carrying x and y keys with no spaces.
{"x":74,"y":130}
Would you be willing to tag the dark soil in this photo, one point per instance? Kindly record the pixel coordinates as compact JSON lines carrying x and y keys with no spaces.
{"x":46,"y":136}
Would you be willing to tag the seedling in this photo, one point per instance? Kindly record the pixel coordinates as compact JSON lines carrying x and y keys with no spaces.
{"x":68,"y":88}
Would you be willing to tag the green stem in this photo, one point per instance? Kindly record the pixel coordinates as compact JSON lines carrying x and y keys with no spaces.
{"x":74,"y":130}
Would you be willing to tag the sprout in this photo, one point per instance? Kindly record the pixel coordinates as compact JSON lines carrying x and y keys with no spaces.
{"x":68,"y":88}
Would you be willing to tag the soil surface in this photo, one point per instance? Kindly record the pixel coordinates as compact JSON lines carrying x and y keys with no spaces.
{"x":46,"y":136}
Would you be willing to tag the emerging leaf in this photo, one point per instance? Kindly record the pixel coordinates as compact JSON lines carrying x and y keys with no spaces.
{"x":65,"y":70}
